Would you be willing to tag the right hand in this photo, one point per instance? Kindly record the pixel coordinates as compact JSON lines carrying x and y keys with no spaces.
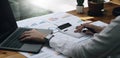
{"x":33,"y":35}
{"x":95,"y":28}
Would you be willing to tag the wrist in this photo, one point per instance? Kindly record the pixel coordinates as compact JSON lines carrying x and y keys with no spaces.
{"x":47,"y":39}
{"x":42,"y":39}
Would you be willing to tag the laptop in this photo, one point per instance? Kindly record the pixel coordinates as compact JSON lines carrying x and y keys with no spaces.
{"x":10,"y":32}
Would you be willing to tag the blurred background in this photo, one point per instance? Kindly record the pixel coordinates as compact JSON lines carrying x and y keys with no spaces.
{"x":23,"y":9}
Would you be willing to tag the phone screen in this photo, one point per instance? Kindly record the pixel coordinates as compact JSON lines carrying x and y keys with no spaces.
{"x":63,"y":26}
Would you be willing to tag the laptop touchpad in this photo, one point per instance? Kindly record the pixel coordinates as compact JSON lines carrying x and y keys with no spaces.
{"x":31,"y":47}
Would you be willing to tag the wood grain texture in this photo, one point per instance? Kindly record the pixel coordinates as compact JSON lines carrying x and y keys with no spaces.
{"x":10,"y":54}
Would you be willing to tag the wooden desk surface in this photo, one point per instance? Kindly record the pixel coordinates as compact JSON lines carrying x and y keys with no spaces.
{"x":10,"y":54}
{"x":106,"y":18}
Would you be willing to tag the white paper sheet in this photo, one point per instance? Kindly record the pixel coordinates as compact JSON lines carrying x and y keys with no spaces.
{"x":48,"y":53}
{"x":38,"y":23}
{"x":61,"y":18}
{"x":45,"y":53}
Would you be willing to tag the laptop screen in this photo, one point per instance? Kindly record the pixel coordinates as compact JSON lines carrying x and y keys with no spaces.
{"x":7,"y":20}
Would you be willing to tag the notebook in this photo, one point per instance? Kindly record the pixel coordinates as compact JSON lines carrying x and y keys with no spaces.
{"x":10,"y":32}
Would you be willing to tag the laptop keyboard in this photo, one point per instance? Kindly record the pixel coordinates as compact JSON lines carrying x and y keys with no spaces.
{"x":14,"y":41}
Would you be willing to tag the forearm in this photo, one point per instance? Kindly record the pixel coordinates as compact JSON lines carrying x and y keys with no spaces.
{"x":102,"y":44}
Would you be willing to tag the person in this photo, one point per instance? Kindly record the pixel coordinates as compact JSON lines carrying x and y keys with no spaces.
{"x":106,"y":42}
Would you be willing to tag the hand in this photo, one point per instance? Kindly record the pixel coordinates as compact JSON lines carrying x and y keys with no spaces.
{"x":80,"y":28}
{"x":33,"y":35}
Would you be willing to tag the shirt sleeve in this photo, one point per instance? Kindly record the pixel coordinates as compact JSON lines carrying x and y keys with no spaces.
{"x":101,"y":45}
{"x":63,"y":43}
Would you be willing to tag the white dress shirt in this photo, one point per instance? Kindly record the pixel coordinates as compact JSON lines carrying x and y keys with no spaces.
{"x":101,"y":45}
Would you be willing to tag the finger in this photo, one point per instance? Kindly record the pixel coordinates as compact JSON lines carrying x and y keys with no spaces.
{"x":24,"y":35}
{"x":87,"y":24}
{"x":88,"y":32}
{"x":90,"y":25}
{"x":79,"y":29}
{"x":26,"y":32}
{"x":78,"y":26}
{"x":26,"y":38}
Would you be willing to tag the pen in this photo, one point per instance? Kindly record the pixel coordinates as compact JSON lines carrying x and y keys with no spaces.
{"x":90,"y":29}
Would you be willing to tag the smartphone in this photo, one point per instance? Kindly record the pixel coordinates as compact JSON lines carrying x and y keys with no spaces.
{"x":68,"y":29}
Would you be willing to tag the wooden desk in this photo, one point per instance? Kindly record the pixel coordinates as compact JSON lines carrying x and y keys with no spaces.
{"x":10,"y":54}
{"x":106,"y":18}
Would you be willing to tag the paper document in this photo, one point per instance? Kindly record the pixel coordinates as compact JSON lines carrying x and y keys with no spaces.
{"x":38,"y":23}
{"x":61,"y":18}
{"x":45,"y":53}
{"x":52,"y":22}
